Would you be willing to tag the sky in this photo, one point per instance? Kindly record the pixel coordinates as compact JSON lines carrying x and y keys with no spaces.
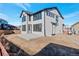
{"x":11,"y":11}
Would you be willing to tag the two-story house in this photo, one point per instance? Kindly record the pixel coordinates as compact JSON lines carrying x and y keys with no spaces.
{"x":45,"y":22}
{"x":75,"y":28}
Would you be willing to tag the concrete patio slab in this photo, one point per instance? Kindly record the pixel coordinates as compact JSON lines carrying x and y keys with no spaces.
{"x":29,"y":36}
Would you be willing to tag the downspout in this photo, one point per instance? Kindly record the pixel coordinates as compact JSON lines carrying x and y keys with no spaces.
{"x":44,"y":25}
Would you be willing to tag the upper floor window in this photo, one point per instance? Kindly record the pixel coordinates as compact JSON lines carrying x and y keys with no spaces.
{"x":23,"y":18}
{"x":29,"y":18}
{"x":50,"y":14}
{"x":37,"y":16}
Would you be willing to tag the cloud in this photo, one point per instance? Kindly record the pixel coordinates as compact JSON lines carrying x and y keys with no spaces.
{"x":4,"y":16}
{"x":71,"y":18}
{"x":74,"y":14}
{"x":24,"y":6}
{"x":10,"y":20}
{"x":27,"y":4}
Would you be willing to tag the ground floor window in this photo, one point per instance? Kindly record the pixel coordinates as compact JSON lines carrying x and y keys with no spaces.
{"x":23,"y":27}
{"x":37,"y":27}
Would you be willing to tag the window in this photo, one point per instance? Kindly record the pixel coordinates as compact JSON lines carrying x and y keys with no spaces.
{"x":37,"y":27}
{"x":50,"y":14}
{"x":23,"y":18}
{"x":29,"y":18}
{"x":37,"y":16}
{"x":23,"y":27}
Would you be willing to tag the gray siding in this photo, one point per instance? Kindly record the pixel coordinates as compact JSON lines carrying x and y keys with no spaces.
{"x":49,"y":28}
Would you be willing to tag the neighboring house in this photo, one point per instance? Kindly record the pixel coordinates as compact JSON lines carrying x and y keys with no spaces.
{"x":67,"y":29}
{"x":4,"y":25}
{"x":75,"y":28}
{"x":19,"y":27}
{"x":45,"y":22}
{"x":12,"y":27}
{"x":2,"y":21}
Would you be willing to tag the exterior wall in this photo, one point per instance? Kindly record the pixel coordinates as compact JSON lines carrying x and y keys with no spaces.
{"x":75,"y":28}
{"x":33,"y":22}
{"x":37,"y":22}
{"x":48,"y":24}
{"x":75,"y":31}
{"x":58,"y":28}
{"x":24,"y":23}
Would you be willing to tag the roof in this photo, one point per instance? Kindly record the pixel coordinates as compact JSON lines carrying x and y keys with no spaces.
{"x":75,"y":24}
{"x":29,"y":13}
{"x":2,"y":20}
